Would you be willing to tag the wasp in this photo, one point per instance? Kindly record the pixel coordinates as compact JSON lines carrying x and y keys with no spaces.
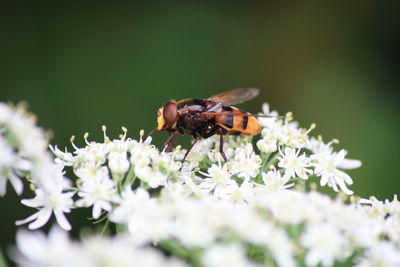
{"x":203,"y":118}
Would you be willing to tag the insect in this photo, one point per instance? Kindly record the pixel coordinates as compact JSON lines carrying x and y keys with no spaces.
{"x":203,"y":118}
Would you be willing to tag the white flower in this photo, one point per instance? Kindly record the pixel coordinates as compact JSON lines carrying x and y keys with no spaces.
{"x":99,"y":193}
{"x":246,"y":163}
{"x":236,"y":193}
{"x":57,"y":250}
{"x":197,"y":154}
{"x":226,"y":255}
{"x":325,"y":244}
{"x":146,"y":219}
{"x":151,"y":222}
{"x":129,"y":202}
{"x":191,"y":185}
{"x":120,"y":251}
{"x":267,"y":144}
{"x":291,"y":202}
{"x":267,"y":122}
{"x":10,"y":162}
{"x":48,"y":202}
{"x":274,"y":181}
{"x":383,"y":254}
{"x":191,"y":227}
{"x":294,"y":165}
{"x":326,"y":165}
{"x":35,"y":249}
{"x":30,"y":139}
{"x":218,"y":175}
{"x":63,"y":158}
{"x":152,"y":177}
{"x":118,"y":163}
{"x":214,"y":155}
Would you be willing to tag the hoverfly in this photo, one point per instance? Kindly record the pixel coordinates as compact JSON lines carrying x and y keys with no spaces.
{"x":203,"y":118}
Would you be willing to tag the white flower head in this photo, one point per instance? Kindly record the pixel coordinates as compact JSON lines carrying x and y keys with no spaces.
{"x":99,"y":193}
{"x":295,"y":165}
{"x":35,"y":249}
{"x":382,"y":254}
{"x":267,"y":144}
{"x":325,"y":245}
{"x":56,"y":202}
{"x":268,"y":122}
{"x":275,"y":181}
{"x":217,"y":175}
{"x":234,"y":192}
{"x":128,"y":203}
{"x":327,"y":166}
{"x":10,"y":162}
{"x":246,"y":163}
{"x":226,"y":255}
{"x":118,"y":163}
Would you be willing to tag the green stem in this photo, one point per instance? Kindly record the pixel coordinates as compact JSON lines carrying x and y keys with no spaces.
{"x":265,"y":161}
{"x":130,"y":177}
{"x":105,"y":227}
{"x":173,"y":248}
{"x":3,"y":262}
{"x":120,"y":228}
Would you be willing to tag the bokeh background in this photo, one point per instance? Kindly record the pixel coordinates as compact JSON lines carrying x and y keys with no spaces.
{"x":335,"y":63}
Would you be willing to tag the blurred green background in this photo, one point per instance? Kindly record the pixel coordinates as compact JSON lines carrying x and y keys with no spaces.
{"x":335,"y":63}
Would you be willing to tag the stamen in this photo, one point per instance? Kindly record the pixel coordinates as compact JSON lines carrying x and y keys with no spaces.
{"x":72,"y":142}
{"x":125,"y":130}
{"x":106,"y":139}
{"x":272,"y":167}
{"x":289,"y":116}
{"x":85,"y":136}
{"x":313,"y":186}
{"x":32,"y":187}
{"x":312,"y":127}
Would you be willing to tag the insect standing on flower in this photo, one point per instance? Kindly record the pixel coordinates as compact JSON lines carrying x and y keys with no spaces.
{"x":203,"y":118}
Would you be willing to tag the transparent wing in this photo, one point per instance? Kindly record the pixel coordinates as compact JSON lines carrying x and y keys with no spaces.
{"x":235,"y":96}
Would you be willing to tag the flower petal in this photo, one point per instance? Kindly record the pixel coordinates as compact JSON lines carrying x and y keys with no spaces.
{"x":62,"y":220}
{"x":16,"y":183}
{"x":3,"y":186}
{"x":349,"y":164}
{"x":42,"y":219}
{"x":29,"y":219}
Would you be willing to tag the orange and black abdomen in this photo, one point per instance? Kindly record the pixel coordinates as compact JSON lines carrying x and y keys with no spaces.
{"x":239,"y":123}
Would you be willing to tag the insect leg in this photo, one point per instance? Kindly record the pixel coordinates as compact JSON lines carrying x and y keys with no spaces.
{"x":221,"y":147}
{"x":171,"y":136}
{"x":150,"y":133}
{"x":211,"y":133}
{"x":187,"y":152}
{"x":173,"y":143}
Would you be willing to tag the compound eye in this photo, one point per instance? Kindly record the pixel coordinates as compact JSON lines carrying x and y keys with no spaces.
{"x":170,"y":113}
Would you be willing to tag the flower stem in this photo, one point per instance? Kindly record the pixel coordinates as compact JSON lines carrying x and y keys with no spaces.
{"x":2,"y":260}
{"x":105,"y":227}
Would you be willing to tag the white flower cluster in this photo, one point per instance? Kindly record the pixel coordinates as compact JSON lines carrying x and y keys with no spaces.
{"x":259,"y":208}
{"x":23,"y":153}
{"x":57,"y":249}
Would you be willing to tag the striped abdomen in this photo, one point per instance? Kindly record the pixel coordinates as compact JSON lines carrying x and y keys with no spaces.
{"x":239,"y":123}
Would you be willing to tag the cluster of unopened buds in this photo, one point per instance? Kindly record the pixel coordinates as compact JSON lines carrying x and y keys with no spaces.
{"x":260,"y":208}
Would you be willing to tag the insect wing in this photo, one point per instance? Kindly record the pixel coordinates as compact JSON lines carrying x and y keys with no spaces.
{"x":235,"y":96}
